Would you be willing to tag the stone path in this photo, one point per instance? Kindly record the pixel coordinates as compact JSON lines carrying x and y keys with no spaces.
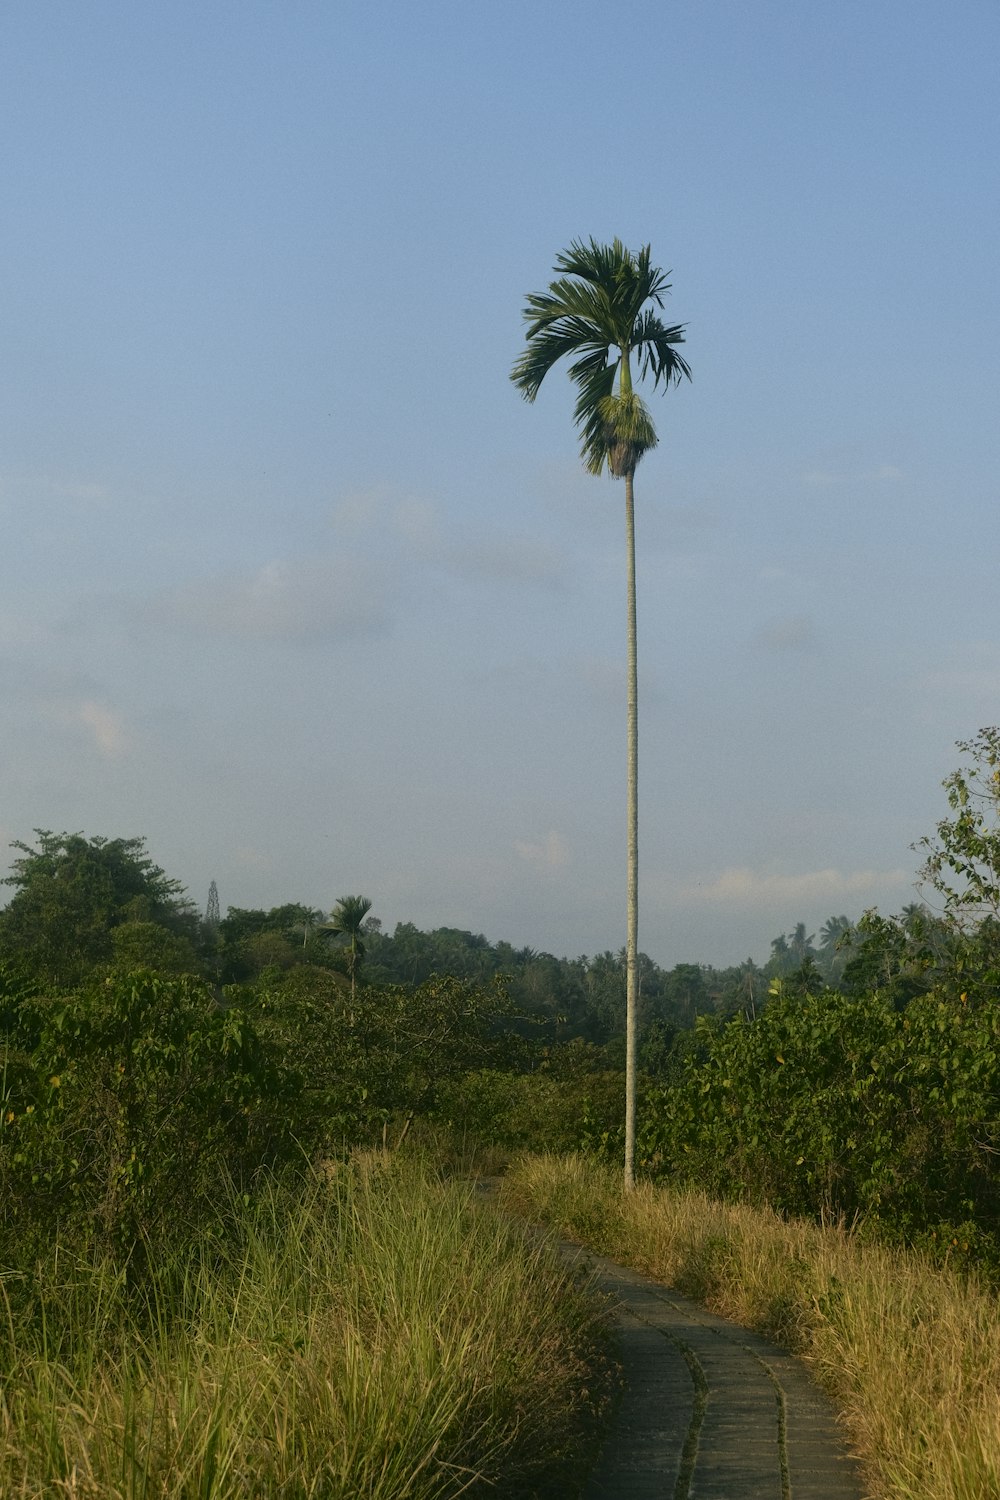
{"x":711,"y":1411}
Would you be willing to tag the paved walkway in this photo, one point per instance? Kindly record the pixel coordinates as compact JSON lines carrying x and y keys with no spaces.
{"x":711,"y":1411}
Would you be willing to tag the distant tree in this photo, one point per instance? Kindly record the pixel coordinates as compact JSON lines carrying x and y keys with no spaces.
{"x":148,"y":945}
{"x":962,"y":861}
{"x":687,"y":993}
{"x":800,"y":947}
{"x":745,"y":990}
{"x":780,"y":961}
{"x":71,"y":892}
{"x":605,"y":987}
{"x":597,"y":314}
{"x":834,"y":942}
{"x":254,"y":941}
{"x":347,"y":920}
{"x":790,"y":950}
{"x":410,"y":956}
{"x":212,"y":916}
{"x":552,"y":992}
{"x":891,"y":957}
{"x":805,"y":980}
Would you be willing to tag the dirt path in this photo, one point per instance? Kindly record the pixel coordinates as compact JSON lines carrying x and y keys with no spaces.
{"x":711,"y":1411}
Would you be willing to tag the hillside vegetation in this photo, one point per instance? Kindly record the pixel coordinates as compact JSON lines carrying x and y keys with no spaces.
{"x":180,"y":1093}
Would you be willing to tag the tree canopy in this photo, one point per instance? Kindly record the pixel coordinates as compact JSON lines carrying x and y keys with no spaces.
{"x":72,"y":892}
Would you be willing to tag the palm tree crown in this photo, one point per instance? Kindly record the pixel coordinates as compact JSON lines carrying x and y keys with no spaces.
{"x":346,"y":920}
{"x":596,"y":313}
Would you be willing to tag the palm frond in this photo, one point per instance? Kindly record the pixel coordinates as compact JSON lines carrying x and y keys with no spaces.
{"x":576,"y":301}
{"x":593,"y":312}
{"x":548,"y":344}
{"x":595,"y":378}
{"x":591,"y":261}
{"x":656,"y":345}
{"x":348,"y":915}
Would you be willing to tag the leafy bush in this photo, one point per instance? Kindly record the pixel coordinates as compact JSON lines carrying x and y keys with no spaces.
{"x":537,"y":1111}
{"x":128,"y":1104}
{"x":385,"y":1054}
{"x":825,"y":1105}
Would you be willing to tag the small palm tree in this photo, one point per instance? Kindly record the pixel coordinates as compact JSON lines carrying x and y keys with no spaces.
{"x":346,"y":920}
{"x":597,"y":314}
{"x":834,"y":942}
{"x":800,"y":945}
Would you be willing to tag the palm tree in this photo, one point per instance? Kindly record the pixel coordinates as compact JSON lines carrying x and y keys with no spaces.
{"x":800,"y":946}
{"x":834,"y":942}
{"x":347,"y":920}
{"x":596,"y":313}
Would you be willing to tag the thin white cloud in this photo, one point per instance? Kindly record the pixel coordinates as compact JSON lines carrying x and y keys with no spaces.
{"x":251,"y":859}
{"x":741,"y":886}
{"x":104,"y":727}
{"x":551,"y":853}
{"x":359,"y":513}
{"x":880,"y":474}
{"x":790,"y":633}
{"x":39,"y":488}
{"x":83,"y":492}
{"x":420,"y":530}
{"x":975,"y":673}
{"x":504,"y":560}
{"x":286,"y":600}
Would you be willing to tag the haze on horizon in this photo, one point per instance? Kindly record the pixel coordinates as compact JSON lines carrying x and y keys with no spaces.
{"x":295,"y":585}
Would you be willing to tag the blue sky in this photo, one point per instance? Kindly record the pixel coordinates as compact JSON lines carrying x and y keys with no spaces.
{"x":296,"y":586}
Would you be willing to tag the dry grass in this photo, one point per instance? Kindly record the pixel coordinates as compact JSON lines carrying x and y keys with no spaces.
{"x":910,"y":1353}
{"x":376,"y":1336}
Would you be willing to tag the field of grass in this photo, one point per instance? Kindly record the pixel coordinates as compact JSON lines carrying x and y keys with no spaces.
{"x":909,"y":1352}
{"x":373,"y":1335}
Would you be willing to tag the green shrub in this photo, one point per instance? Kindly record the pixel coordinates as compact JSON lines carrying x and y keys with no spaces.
{"x":826,"y":1105}
{"x":538,"y":1111}
{"x":128,"y":1105}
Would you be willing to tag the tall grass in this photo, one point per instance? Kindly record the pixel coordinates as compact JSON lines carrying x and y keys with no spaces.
{"x":910,"y":1352}
{"x":374,"y":1335}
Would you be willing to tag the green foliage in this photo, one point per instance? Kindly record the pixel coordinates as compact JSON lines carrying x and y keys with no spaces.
{"x":595,"y":314}
{"x":563,"y":998}
{"x":347,"y":920}
{"x":253,"y":942}
{"x":570,"y":1100}
{"x":828,"y":1105}
{"x":127,"y":1104}
{"x":148,"y":945}
{"x":389,"y":1051}
{"x":71,"y":893}
{"x":963,"y":860}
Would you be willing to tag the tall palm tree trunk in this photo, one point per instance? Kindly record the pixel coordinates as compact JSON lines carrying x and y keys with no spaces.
{"x":632,"y":797}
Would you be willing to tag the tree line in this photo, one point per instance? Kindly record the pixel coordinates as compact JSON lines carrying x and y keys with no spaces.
{"x":150,"y":1052}
{"x":82,"y":905}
